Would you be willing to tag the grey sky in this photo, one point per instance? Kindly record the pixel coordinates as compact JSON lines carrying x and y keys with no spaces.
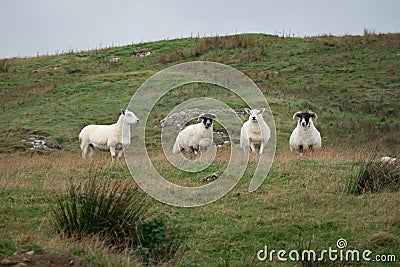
{"x":30,"y":27}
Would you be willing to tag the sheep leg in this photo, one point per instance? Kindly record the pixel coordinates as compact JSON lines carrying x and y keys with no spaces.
{"x":120,"y":153}
{"x":261,"y":148}
{"x":194,"y":150}
{"x":84,"y":150}
{"x":176,"y":149}
{"x":253,"y":148}
{"x":112,"y":151}
{"x":91,"y":153}
{"x":301,"y":149}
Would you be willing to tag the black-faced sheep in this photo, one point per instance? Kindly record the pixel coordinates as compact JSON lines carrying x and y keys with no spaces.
{"x":196,"y":137}
{"x":305,"y":137}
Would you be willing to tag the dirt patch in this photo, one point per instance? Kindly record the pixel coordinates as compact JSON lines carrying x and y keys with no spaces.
{"x":30,"y":259}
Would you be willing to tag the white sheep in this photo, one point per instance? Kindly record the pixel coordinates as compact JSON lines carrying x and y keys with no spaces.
{"x":254,"y":131}
{"x":108,"y":137}
{"x":305,"y":137}
{"x":196,"y":137}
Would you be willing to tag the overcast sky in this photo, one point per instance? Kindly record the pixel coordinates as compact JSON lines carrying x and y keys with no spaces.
{"x":31,"y":27}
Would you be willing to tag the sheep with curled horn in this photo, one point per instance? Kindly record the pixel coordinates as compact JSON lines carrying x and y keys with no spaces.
{"x":305,"y":137}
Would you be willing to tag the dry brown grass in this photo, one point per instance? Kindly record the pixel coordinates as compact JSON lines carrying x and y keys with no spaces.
{"x":25,"y":170}
{"x":53,"y":171}
{"x":99,"y":253}
{"x":306,"y":189}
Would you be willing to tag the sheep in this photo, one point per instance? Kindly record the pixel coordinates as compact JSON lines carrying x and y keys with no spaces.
{"x":108,"y":137}
{"x":254,"y":131}
{"x":389,"y":160}
{"x":305,"y":137}
{"x":196,"y":137}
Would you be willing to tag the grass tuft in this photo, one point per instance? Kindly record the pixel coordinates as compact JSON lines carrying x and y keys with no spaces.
{"x":115,"y":212}
{"x":110,"y":209}
{"x":375,"y":176}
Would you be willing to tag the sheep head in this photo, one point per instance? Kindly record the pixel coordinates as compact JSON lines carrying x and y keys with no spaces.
{"x":129,"y":116}
{"x":254,"y":113}
{"x":305,"y":117}
{"x":207,"y":119}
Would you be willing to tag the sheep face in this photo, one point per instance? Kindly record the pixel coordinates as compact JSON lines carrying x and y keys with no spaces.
{"x":305,"y":136}
{"x":305,"y":118}
{"x":130,"y":117}
{"x":207,"y":119}
{"x":254,"y":113}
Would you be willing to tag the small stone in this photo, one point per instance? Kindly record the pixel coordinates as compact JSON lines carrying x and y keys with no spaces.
{"x":211,"y":178}
{"x":25,"y":259}
{"x":30,"y":253}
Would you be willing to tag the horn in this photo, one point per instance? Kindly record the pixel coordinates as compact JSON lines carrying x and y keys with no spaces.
{"x":296,"y":114}
{"x":313,"y":114}
{"x":201,"y":116}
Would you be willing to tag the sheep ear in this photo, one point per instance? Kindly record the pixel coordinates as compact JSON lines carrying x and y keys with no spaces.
{"x":200,"y":117}
{"x":297,"y":114}
{"x":123,"y":111}
{"x":213,"y":115}
{"x":313,"y":114}
{"x":247,"y":110}
{"x":261,"y":110}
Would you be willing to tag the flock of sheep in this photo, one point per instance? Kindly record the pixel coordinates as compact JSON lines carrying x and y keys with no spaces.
{"x":199,"y":137}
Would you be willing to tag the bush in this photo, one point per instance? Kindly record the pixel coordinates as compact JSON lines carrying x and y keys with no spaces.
{"x":116,"y":212}
{"x":375,"y":176}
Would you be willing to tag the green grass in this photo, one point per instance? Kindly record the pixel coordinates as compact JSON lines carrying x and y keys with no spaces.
{"x":352,"y":82}
{"x":341,"y":78}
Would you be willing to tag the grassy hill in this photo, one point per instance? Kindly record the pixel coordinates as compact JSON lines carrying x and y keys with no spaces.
{"x":352,"y":82}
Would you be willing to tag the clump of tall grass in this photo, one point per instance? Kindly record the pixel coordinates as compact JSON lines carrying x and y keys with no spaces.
{"x":117,"y":213}
{"x":375,"y":176}
{"x":109,"y":209}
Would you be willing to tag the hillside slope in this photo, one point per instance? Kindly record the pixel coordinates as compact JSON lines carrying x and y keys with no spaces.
{"x":352,"y":82}
{"x":306,"y":202}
